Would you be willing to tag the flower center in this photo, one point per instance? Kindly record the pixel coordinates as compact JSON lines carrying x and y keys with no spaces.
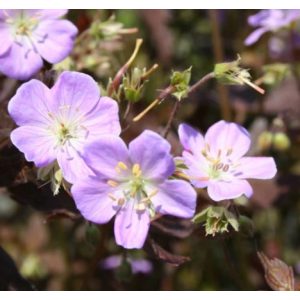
{"x":132,"y":187}
{"x":219,"y":166}
{"x":64,"y":134}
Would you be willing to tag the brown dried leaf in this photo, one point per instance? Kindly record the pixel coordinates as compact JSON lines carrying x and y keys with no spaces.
{"x":279,"y":276}
{"x":155,"y":250}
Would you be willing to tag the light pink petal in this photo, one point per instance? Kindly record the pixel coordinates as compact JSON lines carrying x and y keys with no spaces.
{"x":36,"y":144}
{"x":72,"y":164}
{"x":76,"y":93}
{"x":176,"y":198}
{"x":190,"y":139}
{"x":224,"y":136}
{"x":103,"y":119}
{"x":32,"y":104}
{"x":256,"y":167}
{"x":91,"y":198}
{"x":221,"y":190}
{"x":54,"y":39}
{"x":131,"y":228}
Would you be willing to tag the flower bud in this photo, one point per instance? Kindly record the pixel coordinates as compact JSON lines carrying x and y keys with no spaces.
{"x":216,"y":219}
{"x":281,"y":141}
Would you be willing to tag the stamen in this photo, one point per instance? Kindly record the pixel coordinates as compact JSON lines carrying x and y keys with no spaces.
{"x":219,"y":166}
{"x":219,"y":153}
{"x":226,"y":168}
{"x":112,"y":183}
{"x":229,"y":151}
{"x":136,"y":170}
{"x":140,"y":206}
{"x":112,"y":197}
{"x":121,"y":201}
{"x":153,"y":193}
{"x":122,"y":165}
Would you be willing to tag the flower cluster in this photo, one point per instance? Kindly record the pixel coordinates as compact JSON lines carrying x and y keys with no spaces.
{"x":74,"y":131}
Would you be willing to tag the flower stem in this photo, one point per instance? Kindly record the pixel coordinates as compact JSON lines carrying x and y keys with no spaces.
{"x":192,"y":89}
{"x":117,"y":80}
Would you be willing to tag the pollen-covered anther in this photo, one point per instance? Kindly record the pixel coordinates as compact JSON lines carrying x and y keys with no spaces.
{"x":229,"y":151}
{"x":136,"y":170}
{"x":140,"y":206}
{"x":121,"y":201}
{"x":112,"y":183}
{"x":226,"y":168}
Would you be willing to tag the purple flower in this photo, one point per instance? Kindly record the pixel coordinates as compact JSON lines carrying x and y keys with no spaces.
{"x":138,"y":265}
{"x":55,"y":124}
{"x":216,"y":160}
{"x":132,"y":184}
{"x":270,"y":20}
{"x":29,"y":36}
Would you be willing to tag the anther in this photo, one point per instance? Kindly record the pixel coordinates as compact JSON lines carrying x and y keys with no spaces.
{"x":112,"y":183}
{"x":122,"y":166}
{"x":226,"y":168}
{"x":136,"y":170}
{"x":121,"y":201}
{"x":229,"y":151}
{"x":219,"y":166}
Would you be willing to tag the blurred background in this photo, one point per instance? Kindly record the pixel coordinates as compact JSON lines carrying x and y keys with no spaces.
{"x":45,"y":243}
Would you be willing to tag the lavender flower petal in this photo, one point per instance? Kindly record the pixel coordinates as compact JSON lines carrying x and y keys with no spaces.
{"x":152,"y":153}
{"x":224,"y":136}
{"x":91,"y":198}
{"x":75,"y":92}
{"x":175,"y":197}
{"x":104,"y":155}
{"x":104,"y":119}
{"x":54,"y":39}
{"x":131,"y":228}
{"x":20,"y":61}
{"x":140,"y":266}
{"x":5,"y":38}
{"x":31,"y":104}
{"x":72,"y":164}
{"x":255,"y":36}
{"x":35,"y":143}
{"x":191,"y":139}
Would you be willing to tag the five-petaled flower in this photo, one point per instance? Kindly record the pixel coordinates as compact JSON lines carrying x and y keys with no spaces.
{"x":270,"y":20}
{"x":29,"y":36}
{"x":133,"y":184}
{"x":216,"y":160}
{"x":57,"y":123}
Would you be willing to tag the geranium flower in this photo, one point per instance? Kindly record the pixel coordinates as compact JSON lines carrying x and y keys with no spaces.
{"x":29,"y":36}
{"x":216,"y":160}
{"x":55,"y":124}
{"x":270,"y":20}
{"x":132,"y":184}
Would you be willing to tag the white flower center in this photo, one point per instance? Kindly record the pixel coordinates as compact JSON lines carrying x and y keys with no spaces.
{"x":67,"y":129}
{"x":220,"y":166}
